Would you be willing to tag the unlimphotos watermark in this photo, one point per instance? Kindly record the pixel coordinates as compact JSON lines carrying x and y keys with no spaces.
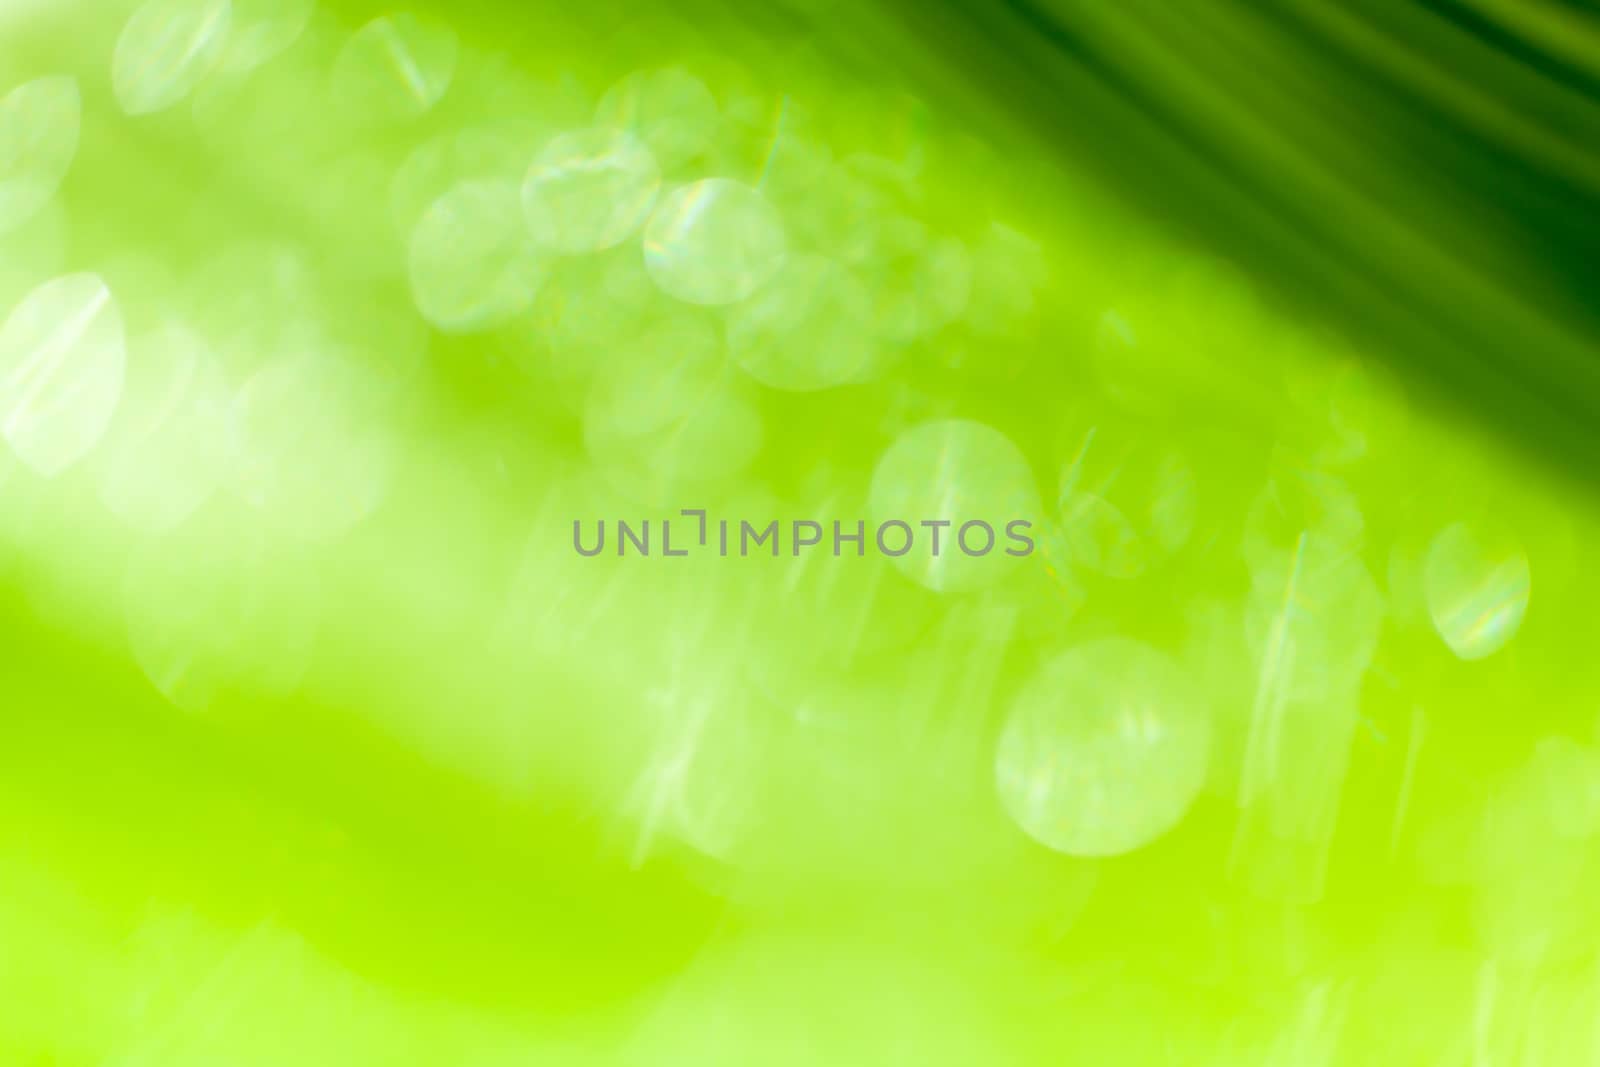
{"x":892,"y":537}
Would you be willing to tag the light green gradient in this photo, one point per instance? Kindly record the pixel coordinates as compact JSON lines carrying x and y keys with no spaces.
{"x":319,"y":742}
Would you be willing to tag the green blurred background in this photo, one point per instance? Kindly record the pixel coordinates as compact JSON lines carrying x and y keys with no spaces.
{"x":324,"y":322}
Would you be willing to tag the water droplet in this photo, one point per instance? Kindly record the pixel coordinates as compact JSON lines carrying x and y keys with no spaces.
{"x":592,"y":309}
{"x":589,"y":191}
{"x":1312,"y":620}
{"x":1104,"y":750}
{"x":260,"y":31}
{"x":824,"y":208}
{"x":499,"y":152}
{"x":61,"y":363}
{"x":670,"y":110}
{"x":166,"y":48}
{"x":811,"y":328}
{"x":472,"y":265}
{"x":714,"y":242}
{"x":395,"y":68}
{"x":1122,"y":504}
{"x":1298,"y":500}
{"x":666,"y":419}
{"x":959,"y":472}
{"x":1477,"y":584}
{"x":39,"y":124}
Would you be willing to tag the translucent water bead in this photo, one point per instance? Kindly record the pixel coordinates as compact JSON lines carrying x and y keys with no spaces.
{"x":811,"y":328}
{"x":168,"y":445}
{"x":283,"y":101}
{"x":747,"y":133}
{"x":499,"y":151}
{"x":714,"y":242}
{"x":825,"y":208}
{"x":590,"y":310}
{"x":1300,"y":500}
{"x":1312,"y":621}
{"x":166,"y":48}
{"x":395,"y":68}
{"x":589,"y":190}
{"x":259,"y":31}
{"x":1122,"y":505}
{"x":966,"y":475}
{"x":1104,"y":751}
{"x":39,"y":123}
{"x":670,"y":110}
{"x":666,"y":419}
{"x":62,"y":354}
{"x":472,"y":267}
{"x":1477,"y":582}
{"x":603,"y":301}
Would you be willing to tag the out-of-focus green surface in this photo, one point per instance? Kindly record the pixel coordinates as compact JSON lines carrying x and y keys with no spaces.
{"x":323,"y":323}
